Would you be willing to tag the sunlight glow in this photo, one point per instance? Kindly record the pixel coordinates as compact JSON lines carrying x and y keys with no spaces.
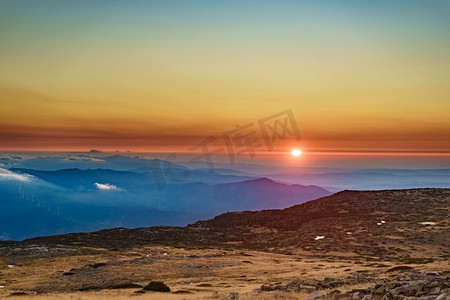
{"x":296,"y":152}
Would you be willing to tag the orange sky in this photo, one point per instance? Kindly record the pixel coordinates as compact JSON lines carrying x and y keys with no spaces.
{"x":145,"y":76}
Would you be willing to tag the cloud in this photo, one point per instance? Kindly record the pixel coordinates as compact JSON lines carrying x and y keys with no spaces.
{"x":106,"y":186}
{"x":84,"y":158}
{"x":10,"y":157}
{"x":8,"y":175}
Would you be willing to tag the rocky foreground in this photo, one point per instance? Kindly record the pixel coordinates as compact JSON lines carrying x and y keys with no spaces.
{"x":351,"y":245}
{"x":409,"y":285}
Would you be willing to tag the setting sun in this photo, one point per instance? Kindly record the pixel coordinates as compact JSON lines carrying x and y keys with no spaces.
{"x":296,"y":152}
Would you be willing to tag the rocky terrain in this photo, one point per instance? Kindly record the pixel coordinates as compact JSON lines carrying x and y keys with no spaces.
{"x":392,"y":244}
{"x":412,"y":284}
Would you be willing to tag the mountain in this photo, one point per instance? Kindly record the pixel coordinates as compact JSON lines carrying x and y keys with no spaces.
{"x":184,"y":195}
{"x":75,"y":200}
{"x":368,"y":179}
{"x":263,"y":193}
{"x":385,"y":225}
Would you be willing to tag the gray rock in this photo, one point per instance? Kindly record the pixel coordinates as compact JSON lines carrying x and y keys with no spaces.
{"x":307,"y":288}
{"x":315,"y":295}
{"x":273,"y":287}
{"x":443,"y":296}
{"x":333,"y":295}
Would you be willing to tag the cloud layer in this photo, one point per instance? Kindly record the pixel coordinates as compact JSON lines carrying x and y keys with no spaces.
{"x":8,"y":175}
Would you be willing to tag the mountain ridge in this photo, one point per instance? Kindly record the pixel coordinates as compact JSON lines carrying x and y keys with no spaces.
{"x":370,"y":223}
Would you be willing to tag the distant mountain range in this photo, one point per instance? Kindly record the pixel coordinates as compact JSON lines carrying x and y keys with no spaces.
{"x":71,"y":200}
{"x":73,"y":192}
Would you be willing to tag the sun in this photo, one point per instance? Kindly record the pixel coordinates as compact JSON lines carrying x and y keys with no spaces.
{"x":296,"y":152}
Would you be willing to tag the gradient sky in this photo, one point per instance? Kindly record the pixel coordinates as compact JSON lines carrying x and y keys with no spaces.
{"x":152,"y":75}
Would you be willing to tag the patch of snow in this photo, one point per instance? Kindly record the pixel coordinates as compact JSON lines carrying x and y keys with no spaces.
{"x":348,"y":232}
{"x":383,"y":222}
{"x":379,"y":224}
{"x":427,"y":223}
{"x":319,"y":237}
{"x":12,"y":266}
{"x":2,"y":286}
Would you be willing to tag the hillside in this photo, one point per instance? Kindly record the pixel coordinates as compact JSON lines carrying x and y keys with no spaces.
{"x":391,"y":244}
{"x":382,"y":224}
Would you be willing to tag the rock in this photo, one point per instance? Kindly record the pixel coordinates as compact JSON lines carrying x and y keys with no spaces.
{"x":157,"y":286}
{"x":443,"y":296}
{"x":355,"y":275}
{"x":311,"y":282}
{"x":307,"y":288}
{"x":435,"y":290}
{"x":333,"y":295}
{"x":315,"y":295}
{"x":432,"y":274}
{"x":390,"y":285}
{"x":233,"y":295}
{"x":18,"y":293}
{"x":411,"y":289}
{"x":381,"y":289}
{"x":273,"y":287}
{"x":415,"y":286}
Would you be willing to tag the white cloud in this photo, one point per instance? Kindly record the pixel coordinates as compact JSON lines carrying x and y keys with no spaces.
{"x":84,"y":158}
{"x":105,"y":186}
{"x":8,"y":175}
{"x":9,"y":157}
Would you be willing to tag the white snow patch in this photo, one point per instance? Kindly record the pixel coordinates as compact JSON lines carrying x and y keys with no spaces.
{"x":12,"y":266}
{"x":427,"y":223}
{"x":383,"y":222}
{"x":319,"y":237}
{"x":348,"y":232}
{"x":379,"y":224}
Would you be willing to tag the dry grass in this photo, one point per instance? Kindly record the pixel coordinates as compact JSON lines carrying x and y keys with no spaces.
{"x":162,"y":296}
{"x":200,"y":272}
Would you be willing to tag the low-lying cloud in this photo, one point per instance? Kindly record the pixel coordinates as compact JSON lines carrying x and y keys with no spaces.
{"x":84,"y":158}
{"x":106,"y":186}
{"x":8,"y":175}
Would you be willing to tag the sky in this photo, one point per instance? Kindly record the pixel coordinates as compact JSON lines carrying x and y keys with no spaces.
{"x":162,"y":75}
